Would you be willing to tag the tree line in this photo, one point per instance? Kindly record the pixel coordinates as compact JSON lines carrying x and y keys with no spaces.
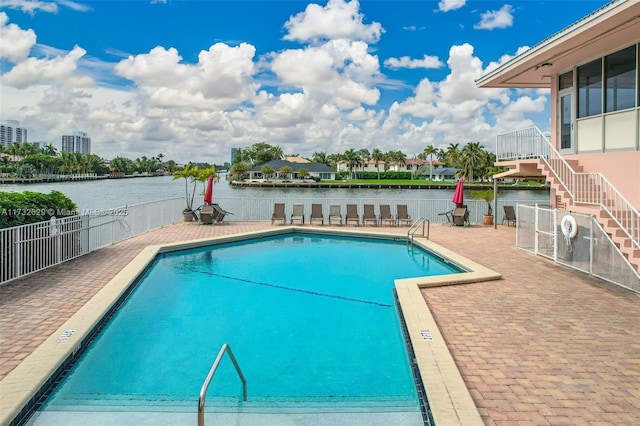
{"x":26,"y":160}
{"x":473,"y":162}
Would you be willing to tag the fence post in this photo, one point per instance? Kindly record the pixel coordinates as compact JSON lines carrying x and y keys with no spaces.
{"x":86,"y":230}
{"x":17,"y":265}
{"x":58,"y":239}
{"x":555,"y":235}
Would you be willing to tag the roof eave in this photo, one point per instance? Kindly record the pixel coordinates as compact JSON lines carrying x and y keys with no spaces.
{"x":535,"y":56}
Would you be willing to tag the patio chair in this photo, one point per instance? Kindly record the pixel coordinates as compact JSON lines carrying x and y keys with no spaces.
{"x":460,"y":216}
{"x":369,"y":215}
{"x":385,"y":215}
{"x":278,"y":213}
{"x":206,"y":214}
{"x":352,"y":214}
{"x":219,"y":213}
{"x":402,"y":215}
{"x":448,"y":215}
{"x":335,"y":214}
{"x":298,"y":214}
{"x":509,"y":215}
{"x":316,"y":214}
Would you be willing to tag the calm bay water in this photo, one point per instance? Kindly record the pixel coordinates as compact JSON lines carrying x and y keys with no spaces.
{"x":111,"y":193}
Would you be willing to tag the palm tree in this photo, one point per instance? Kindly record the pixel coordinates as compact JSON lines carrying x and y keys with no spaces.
{"x":285,"y":170}
{"x":277,"y":153}
{"x":430,"y":151}
{"x":239,"y":169}
{"x":14,"y":149}
{"x":190,"y":175}
{"x":303,"y":172}
{"x":353,"y":160}
{"x":320,"y":157}
{"x":267,"y":171}
{"x":241,"y":156}
{"x":377,"y":156}
{"x":453,"y":155}
{"x":49,"y":150}
{"x":471,"y":157}
{"x":364,"y":156}
{"x":333,"y":160}
{"x":122,"y":165}
{"x":396,"y":157}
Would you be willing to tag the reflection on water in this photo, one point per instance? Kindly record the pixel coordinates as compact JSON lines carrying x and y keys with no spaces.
{"x":109,"y":193}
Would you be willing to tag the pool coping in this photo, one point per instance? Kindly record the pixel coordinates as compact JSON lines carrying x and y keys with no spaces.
{"x":450,"y":399}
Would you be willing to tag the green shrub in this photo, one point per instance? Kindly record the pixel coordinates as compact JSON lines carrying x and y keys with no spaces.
{"x":389,"y":174}
{"x":22,"y":208}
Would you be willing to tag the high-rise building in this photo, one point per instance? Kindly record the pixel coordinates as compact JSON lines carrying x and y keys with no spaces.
{"x":76,"y":142}
{"x":10,"y":132}
{"x":234,"y":151}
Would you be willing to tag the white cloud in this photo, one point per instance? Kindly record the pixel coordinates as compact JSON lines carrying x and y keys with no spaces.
{"x":338,"y":72}
{"x":453,"y":110}
{"x":78,"y":7}
{"x":30,"y":6}
{"x":502,"y":18}
{"x":406,"y":62}
{"x":222,"y":77}
{"x":338,"y":19}
{"x":447,"y":5}
{"x":16,"y":42}
{"x":320,"y":97}
{"x":59,"y":70}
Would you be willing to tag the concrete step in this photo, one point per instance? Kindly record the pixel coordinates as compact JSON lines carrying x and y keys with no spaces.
{"x":70,"y":418}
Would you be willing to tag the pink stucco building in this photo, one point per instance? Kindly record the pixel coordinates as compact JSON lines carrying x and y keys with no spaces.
{"x":591,"y":157}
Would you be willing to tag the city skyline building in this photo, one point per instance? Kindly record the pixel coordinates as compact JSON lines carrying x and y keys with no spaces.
{"x":11,"y":132}
{"x":76,"y":142}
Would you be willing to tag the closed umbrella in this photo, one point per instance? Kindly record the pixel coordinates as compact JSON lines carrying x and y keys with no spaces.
{"x":208,"y":192}
{"x":458,"y":195}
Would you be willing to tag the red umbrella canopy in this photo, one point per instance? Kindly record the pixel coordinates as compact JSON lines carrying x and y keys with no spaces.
{"x":458,"y":195}
{"x":208,"y":192}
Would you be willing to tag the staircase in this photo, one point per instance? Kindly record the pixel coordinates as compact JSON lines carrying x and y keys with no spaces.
{"x":576,"y":190}
{"x":617,"y":233}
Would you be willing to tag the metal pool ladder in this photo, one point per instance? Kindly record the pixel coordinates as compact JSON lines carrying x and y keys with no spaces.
{"x":414,"y":228}
{"x":205,"y":386}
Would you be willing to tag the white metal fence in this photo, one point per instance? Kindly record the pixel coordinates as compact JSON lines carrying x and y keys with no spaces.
{"x":29,"y":248}
{"x":258,"y":209}
{"x":590,"y":250}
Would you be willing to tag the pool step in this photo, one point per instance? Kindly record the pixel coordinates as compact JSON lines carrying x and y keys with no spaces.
{"x":67,"y":418}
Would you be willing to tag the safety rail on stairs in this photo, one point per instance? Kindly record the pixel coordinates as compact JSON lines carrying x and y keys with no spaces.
{"x":583,"y":188}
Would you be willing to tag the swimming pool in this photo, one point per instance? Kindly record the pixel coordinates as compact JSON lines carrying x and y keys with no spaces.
{"x":311,"y":319}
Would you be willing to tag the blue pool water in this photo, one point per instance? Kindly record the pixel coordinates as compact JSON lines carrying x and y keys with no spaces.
{"x":311,"y":319}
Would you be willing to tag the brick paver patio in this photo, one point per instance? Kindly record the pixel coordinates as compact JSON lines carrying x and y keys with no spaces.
{"x":544,"y":345}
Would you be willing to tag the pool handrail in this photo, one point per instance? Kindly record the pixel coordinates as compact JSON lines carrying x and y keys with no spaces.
{"x":414,"y":228}
{"x":205,"y":386}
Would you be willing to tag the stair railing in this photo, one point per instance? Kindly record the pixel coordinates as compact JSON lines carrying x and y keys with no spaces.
{"x":584,"y":188}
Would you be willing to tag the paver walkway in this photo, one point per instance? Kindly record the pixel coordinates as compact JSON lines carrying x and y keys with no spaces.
{"x":544,"y":345}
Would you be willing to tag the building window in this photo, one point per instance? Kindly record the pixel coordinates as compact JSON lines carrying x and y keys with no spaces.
{"x":565,"y":81}
{"x":620,"y":79}
{"x":590,"y":89}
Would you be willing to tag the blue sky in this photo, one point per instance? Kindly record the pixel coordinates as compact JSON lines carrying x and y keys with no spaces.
{"x":192,"y":79}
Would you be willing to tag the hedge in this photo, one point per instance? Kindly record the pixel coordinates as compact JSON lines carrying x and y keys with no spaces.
{"x":374,"y":175}
{"x":22,"y":208}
